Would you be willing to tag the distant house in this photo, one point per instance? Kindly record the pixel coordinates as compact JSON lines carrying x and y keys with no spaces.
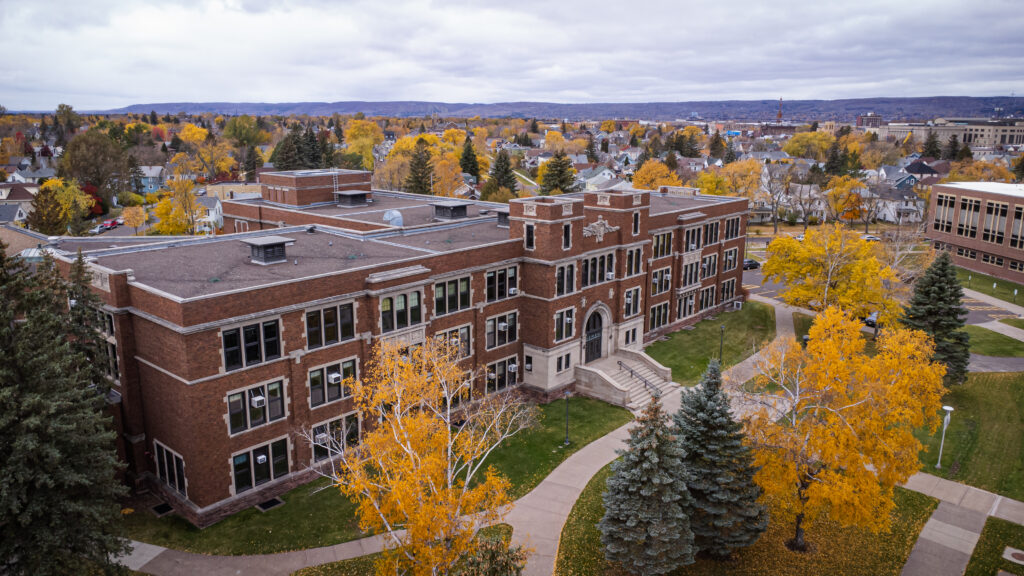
{"x":18,"y":195}
{"x":152,"y":178}
{"x":28,"y":176}
{"x":11,"y":213}
{"x":897,"y":205}
{"x":210,"y":216}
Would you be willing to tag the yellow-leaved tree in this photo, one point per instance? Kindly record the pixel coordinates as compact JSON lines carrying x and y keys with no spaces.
{"x":833,"y":266}
{"x":978,"y":170}
{"x":135,"y":216}
{"x":361,"y":136}
{"x":743,"y":177}
{"x":421,"y":468}
{"x":839,"y":433}
{"x":608,"y":126}
{"x":809,"y":145}
{"x":653,"y":174}
{"x":711,"y":182}
{"x":204,"y":154}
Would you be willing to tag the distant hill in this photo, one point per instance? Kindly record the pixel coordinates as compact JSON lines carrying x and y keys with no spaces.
{"x":753,"y":110}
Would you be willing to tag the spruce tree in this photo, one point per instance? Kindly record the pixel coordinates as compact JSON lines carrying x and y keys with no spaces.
{"x":965,"y":153}
{"x":286,"y":155}
{"x":670,"y":161}
{"x":135,"y":175}
{"x":468,"y":161}
{"x":591,"y":150}
{"x":952,"y":148}
{"x":45,"y":216}
{"x":730,"y":154}
{"x":645,"y":528}
{"x":501,"y":172}
{"x":932,"y":148}
{"x":252,"y":163}
{"x":534,"y":128}
{"x":309,"y":149}
{"x":725,"y":515}
{"x":420,"y":170}
{"x":937,"y":309}
{"x":59,"y":511}
{"x":717,"y":146}
{"x":833,"y":161}
{"x":1018,"y":169}
{"x":558,"y":175}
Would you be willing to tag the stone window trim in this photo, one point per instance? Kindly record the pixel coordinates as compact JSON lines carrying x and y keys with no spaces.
{"x":282,"y":350}
{"x":312,"y":449}
{"x":340,"y":362}
{"x":159,"y":445}
{"x":284,"y":380}
{"x":273,"y":481}
{"x":559,"y":317}
{"x":496,"y":318}
{"x":456,"y":329}
{"x":320,"y":308}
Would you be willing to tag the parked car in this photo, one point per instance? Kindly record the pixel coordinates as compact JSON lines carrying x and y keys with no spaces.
{"x":120,"y":220}
{"x":109,"y":224}
{"x":751,"y":264}
{"x":98,"y":229}
{"x":869,"y":238}
{"x":871,"y":321}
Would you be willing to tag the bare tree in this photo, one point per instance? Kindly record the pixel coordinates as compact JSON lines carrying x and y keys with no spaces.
{"x":775,"y":180}
{"x":869,"y":203}
{"x":806,"y":197}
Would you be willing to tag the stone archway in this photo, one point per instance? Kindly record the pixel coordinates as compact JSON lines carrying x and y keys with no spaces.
{"x":593,"y":337}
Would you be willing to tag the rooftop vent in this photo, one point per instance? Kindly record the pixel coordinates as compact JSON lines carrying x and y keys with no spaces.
{"x":351,"y":197}
{"x":502,"y":218}
{"x":268,"y":249}
{"x":393,"y":218}
{"x":450,"y":210}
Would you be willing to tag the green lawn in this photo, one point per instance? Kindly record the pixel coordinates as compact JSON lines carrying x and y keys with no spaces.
{"x":1015,"y":322}
{"x":364,"y":564}
{"x":988,"y":554}
{"x":835,"y":550}
{"x":989,"y":343}
{"x":687,"y":352}
{"x":985,"y":440}
{"x":310,"y":519}
{"x":983,"y":283}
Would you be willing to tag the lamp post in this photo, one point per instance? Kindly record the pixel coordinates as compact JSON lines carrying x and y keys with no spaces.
{"x":942,"y":443}
{"x":566,"y":418}
{"x":721,"y":343}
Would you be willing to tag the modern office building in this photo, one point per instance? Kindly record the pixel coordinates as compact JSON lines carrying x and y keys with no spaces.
{"x":227,"y":347}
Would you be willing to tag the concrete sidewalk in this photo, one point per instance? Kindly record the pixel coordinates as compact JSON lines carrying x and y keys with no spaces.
{"x":1004,"y":329}
{"x":993,"y":301}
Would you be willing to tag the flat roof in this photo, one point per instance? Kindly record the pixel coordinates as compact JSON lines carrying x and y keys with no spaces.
{"x":315,"y":172}
{"x":267,"y":240}
{"x":415,"y":210}
{"x":455,"y":238}
{"x":1015,"y":190}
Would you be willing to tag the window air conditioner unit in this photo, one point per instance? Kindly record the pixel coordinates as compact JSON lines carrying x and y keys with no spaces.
{"x":320,"y":438}
{"x":258,"y":401}
{"x":609,"y":276}
{"x":491,"y":375}
{"x":568,"y":320}
{"x":693,"y":246}
{"x":334,"y":378}
{"x":629,"y":298}
{"x":502,"y":326}
{"x":261,"y":459}
{"x":512,"y":368}
{"x":512,"y":291}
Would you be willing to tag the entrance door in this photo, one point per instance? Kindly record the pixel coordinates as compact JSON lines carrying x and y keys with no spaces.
{"x":593,"y":337}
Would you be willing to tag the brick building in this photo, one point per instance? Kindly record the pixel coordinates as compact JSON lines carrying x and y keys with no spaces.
{"x":227,"y":347}
{"x":980,"y":224}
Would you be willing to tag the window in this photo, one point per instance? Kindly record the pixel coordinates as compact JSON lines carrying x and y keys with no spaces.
{"x":501,"y":330}
{"x":630,"y":336}
{"x":501,"y":375}
{"x":632,"y":302}
{"x":459,"y":337}
{"x":636,"y":223}
{"x":1017,"y":228}
{"x":710,"y":233}
{"x":401,"y":311}
{"x":597,"y":269}
{"x":566,"y":236}
{"x":691,"y":240}
{"x":662,"y":245}
{"x":1016,"y":265}
{"x":634,"y":261}
{"x":528,"y":362}
{"x":563,"y":363}
{"x":564,"y":325}
{"x":709,"y":266}
{"x":170,"y":468}
{"x":565,"y":279}
{"x":333,"y":437}
{"x":659,"y":315}
{"x":330,"y":383}
{"x":729,"y":259}
{"x":685,"y":305}
{"x":967,"y":224}
{"x":661,"y":281}
{"x":732,"y":228}
{"x":255,"y":406}
{"x":691,"y":273}
{"x":254,"y":343}
{"x":105,"y":322}
{"x":944,"y":205}
{"x":329,"y":326}
{"x":707,"y":298}
{"x":993,"y":260}
{"x":966,"y":253}
{"x":110,"y":367}
{"x":260,"y":465}
{"x":501,"y":283}
{"x":995,"y":222}
{"x":451,"y":296}
{"x":728,"y":290}
{"x":530,"y":237}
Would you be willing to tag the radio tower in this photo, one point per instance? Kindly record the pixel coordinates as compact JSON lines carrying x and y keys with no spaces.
{"x":778,"y":117}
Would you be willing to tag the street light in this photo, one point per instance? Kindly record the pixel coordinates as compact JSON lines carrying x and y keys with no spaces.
{"x":566,"y":418}
{"x":945,"y":424}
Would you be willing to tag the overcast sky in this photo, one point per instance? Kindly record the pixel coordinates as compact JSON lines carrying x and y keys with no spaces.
{"x":99,"y":54}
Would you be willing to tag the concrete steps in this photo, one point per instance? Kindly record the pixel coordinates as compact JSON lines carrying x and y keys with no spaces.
{"x":639,"y":393}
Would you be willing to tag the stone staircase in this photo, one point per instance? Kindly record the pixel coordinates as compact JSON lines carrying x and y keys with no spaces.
{"x":626,"y":378}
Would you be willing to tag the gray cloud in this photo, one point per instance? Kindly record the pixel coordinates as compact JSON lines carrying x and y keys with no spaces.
{"x":99,"y":54}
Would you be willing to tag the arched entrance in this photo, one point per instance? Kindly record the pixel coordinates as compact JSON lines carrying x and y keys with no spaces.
{"x":593,"y":337}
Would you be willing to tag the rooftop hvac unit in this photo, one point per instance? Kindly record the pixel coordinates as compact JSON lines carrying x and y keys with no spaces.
{"x":334,"y":378}
{"x":609,"y":276}
{"x":502,"y":326}
{"x":261,"y":459}
{"x":258,"y":401}
{"x":320,"y":438}
{"x":512,"y":291}
{"x":512,"y":368}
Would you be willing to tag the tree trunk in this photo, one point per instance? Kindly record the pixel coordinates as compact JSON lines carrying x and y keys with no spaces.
{"x":798,"y":544}
{"x":775,"y":220}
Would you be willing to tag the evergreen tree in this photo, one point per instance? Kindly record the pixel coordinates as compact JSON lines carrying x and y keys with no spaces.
{"x":689,"y":147}
{"x":633,"y":141}
{"x":717,"y":146}
{"x":327,"y":157}
{"x":952,"y":148}
{"x":45,"y":216}
{"x":730,"y":154}
{"x":565,"y":128}
{"x":152,"y":117}
{"x":1018,"y":169}
{"x":964,"y":154}
{"x":931,"y":148}
{"x":937,"y":309}
{"x":59,"y":511}
{"x":645,"y":528}
{"x":534,"y":128}
{"x":834,"y":161}
{"x":309,"y":149}
{"x":252,"y":163}
{"x":670,"y":161}
{"x":591,"y":150}
{"x":423,"y":128}
{"x":501,"y":172}
{"x":468,"y":161}
{"x":339,"y":133}
{"x":135,"y":175}
{"x":642,"y":159}
{"x":558,"y":175}
{"x":725,"y":515}
{"x":286,"y":154}
{"x":420,"y":170}
{"x":814,"y":126}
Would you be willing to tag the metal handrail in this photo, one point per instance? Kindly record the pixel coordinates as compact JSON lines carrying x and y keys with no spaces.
{"x":655,"y":391}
